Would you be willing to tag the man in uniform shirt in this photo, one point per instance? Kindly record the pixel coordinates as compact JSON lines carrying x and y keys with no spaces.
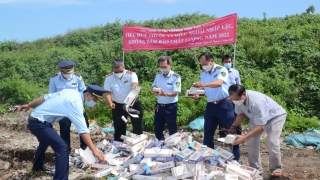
{"x":54,"y":107}
{"x":119,"y":83}
{"x":67,"y":79}
{"x":233,"y":78}
{"x":264,"y":114}
{"x":219,"y":109}
{"x":169,"y":84}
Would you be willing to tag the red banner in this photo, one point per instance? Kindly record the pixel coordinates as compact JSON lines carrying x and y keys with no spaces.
{"x":221,"y":31}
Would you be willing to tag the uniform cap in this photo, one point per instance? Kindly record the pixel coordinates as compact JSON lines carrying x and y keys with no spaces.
{"x":96,"y":91}
{"x":66,"y":64}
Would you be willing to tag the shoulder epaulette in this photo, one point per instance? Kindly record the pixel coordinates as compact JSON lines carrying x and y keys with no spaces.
{"x":176,"y":75}
{"x":78,"y":75}
{"x":54,"y":75}
{"x":109,"y":74}
{"x":129,"y":72}
{"x":219,"y":67}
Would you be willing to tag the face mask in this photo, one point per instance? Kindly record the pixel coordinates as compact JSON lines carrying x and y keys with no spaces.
{"x":68,"y":76}
{"x":238,"y":103}
{"x":90,"y":103}
{"x":165,"y":71}
{"x":227,"y":65}
{"x":207,"y":67}
{"x":118,"y":75}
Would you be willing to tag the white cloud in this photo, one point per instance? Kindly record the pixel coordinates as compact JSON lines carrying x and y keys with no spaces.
{"x":54,"y":2}
{"x":159,"y":1}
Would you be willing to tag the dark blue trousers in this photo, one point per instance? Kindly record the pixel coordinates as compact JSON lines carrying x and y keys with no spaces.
{"x":48,"y":137}
{"x":215,"y":114}
{"x":165,"y":114}
{"x":65,"y":125}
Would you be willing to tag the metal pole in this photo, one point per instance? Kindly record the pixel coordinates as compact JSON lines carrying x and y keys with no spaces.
{"x":122,"y":45}
{"x":234,"y":55}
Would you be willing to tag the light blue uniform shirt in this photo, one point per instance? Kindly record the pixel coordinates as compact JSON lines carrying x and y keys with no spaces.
{"x":261,"y":110}
{"x":58,"y":83}
{"x":234,"y":76}
{"x":65,"y":103}
{"x":218,"y":72}
{"x":120,"y":88}
{"x":169,"y":84}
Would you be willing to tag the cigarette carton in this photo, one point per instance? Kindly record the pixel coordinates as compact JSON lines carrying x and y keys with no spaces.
{"x":195,"y":145}
{"x":184,"y":153}
{"x":100,"y":167}
{"x":141,"y":177}
{"x":103,"y":173}
{"x":132,"y":96}
{"x":174,"y":141}
{"x":231,"y":169}
{"x":157,"y":153}
{"x":252,"y":171}
{"x":195,"y":158}
{"x":179,"y":170}
{"x":161,"y":168}
{"x":225,"y":155}
{"x":164,"y":159}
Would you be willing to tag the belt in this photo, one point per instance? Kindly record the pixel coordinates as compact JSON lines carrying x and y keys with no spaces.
{"x":221,"y":101}
{"x":32,"y":118}
{"x":166,"y":105}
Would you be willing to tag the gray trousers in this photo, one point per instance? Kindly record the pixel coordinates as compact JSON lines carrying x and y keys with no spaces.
{"x":273,"y":138}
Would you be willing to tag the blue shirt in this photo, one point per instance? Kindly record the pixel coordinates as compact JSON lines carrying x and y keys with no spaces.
{"x":234,"y":76}
{"x":120,"y":88}
{"x":261,"y":110}
{"x":218,"y":93}
{"x":65,"y":103}
{"x":169,"y":84}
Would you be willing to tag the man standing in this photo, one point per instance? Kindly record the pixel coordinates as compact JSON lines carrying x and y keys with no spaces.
{"x":264,"y":114}
{"x":119,"y":83}
{"x":219,"y":109}
{"x":54,"y":107}
{"x":168,"y":85}
{"x":67,"y":79}
{"x":233,"y":78}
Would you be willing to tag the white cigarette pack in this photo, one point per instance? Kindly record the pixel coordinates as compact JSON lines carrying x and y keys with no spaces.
{"x":100,"y":167}
{"x":141,"y":177}
{"x":102,"y":145}
{"x":161,"y":167}
{"x":132,"y":96}
{"x":195,"y":158}
{"x":258,"y":177}
{"x":252,"y":171}
{"x":174,"y":141}
{"x":231,"y":169}
{"x":179,"y":170}
{"x":134,"y":167}
{"x":186,"y":175}
{"x":138,"y":147}
{"x":135,"y":140}
{"x":87,"y":156}
{"x":225,"y":155}
{"x":103,"y":173}
{"x":177,"y":134}
{"x":199,"y":170}
{"x":195,"y":91}
{"x":157,"y":153}
{"x":184,"y":153}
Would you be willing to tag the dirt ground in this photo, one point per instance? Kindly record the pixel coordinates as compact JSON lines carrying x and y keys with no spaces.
{"x":18,"y":145}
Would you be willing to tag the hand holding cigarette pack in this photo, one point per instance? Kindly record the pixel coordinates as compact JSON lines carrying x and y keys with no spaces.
{"x":155,"y":89}
{"x":195,"y":91}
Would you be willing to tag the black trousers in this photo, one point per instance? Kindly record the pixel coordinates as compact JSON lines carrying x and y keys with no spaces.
{"x":65,"y":125}
{"x":238,"y":129}
{"x":120,"y":126}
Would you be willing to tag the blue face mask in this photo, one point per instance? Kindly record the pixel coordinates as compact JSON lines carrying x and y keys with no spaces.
{"x":90,"y":103}
{"x":227,"y":65}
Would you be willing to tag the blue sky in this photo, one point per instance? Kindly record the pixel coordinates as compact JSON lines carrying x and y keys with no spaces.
{"x":28,"y":20}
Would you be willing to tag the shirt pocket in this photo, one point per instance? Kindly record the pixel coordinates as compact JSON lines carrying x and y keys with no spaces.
{"x":61,"y":87}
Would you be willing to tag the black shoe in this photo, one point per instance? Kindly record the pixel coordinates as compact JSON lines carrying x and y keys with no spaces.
{"x":44,"y":168}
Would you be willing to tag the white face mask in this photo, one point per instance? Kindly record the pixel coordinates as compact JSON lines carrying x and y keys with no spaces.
{"x":165,"y":71}
{"x":207,"y":68}
{"x":239,"y":102}
{"x":118,"y":75}
{"x":68,"y":76}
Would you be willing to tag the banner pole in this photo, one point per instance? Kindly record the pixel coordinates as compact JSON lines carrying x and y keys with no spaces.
{"x":122,"y":45}
{"x":234,"y":55}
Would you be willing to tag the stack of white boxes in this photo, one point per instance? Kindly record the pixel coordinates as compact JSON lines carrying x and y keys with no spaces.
{"x":178,"y":157}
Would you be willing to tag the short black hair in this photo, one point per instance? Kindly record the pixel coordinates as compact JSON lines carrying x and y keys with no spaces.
{"x":117,"y":63}
{"x":236,"y":88}
{"x":207,"y":55}
{"x":226,"y":56}
{"x":165,"y":58}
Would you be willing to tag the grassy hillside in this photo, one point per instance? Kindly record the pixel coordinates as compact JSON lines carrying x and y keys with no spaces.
{"x":277,"y":56}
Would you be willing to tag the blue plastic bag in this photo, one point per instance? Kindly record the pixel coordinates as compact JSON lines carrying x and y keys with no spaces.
{"x":197,"y":124}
